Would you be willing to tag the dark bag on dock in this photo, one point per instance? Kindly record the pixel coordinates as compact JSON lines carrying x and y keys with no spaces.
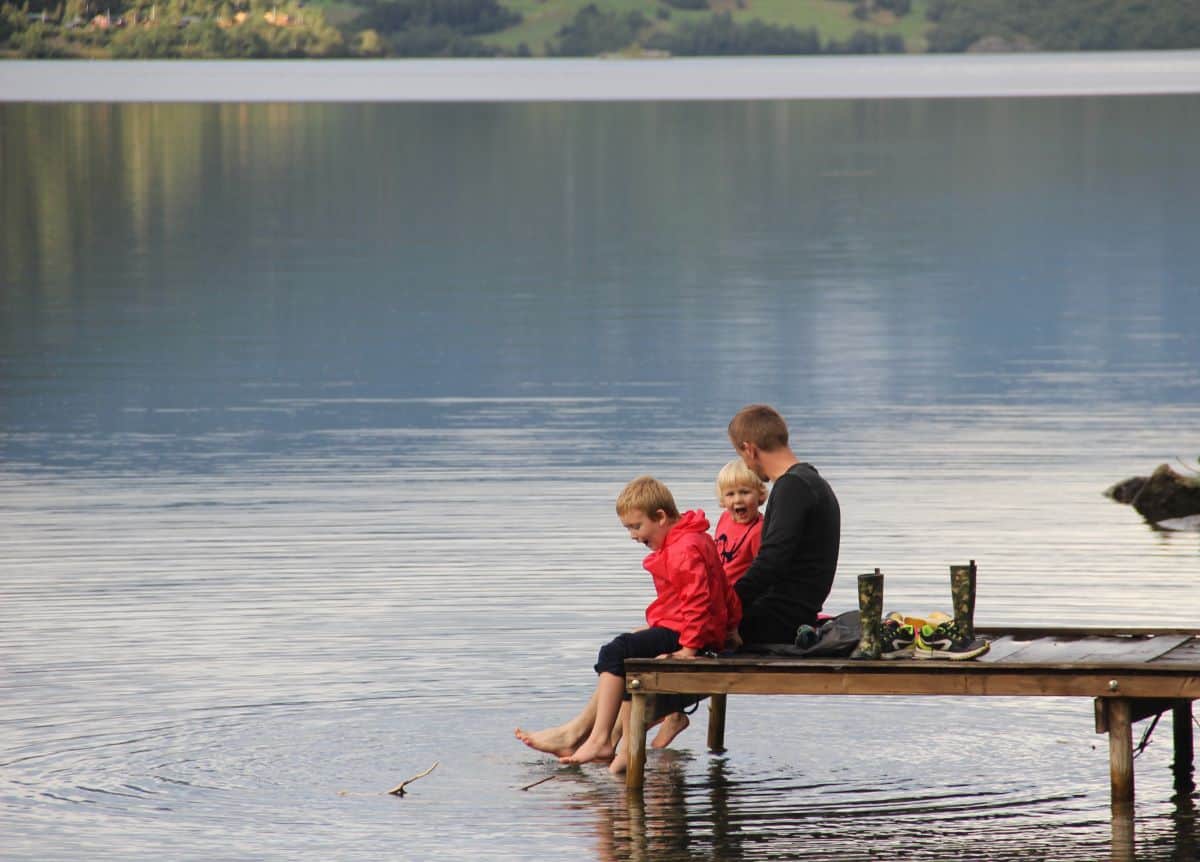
{"x":836,"y":638}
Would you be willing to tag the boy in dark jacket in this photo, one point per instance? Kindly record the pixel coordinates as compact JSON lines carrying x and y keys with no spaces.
{"x":792,"y":573}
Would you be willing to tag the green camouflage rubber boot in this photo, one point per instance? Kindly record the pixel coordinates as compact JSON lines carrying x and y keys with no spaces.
{"x":962,"y":592}
{"x":870,"y":607}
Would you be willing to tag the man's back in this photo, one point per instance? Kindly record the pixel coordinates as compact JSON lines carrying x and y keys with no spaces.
{"x":791,"y":577}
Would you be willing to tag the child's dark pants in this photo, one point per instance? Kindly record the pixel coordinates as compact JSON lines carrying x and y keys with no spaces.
{"x":648,"y":643}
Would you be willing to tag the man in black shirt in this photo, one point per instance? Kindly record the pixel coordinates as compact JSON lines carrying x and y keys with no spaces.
{"x":789,"y":580}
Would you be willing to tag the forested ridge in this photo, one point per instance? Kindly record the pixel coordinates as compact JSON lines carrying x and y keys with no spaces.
{"x":579,"y":28}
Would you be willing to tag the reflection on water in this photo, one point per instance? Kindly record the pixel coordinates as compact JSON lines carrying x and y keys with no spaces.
{"x":312,"y":416}
{"x":688,"y":813}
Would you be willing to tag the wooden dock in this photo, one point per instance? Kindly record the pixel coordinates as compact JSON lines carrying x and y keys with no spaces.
{"x":1131,"y":674}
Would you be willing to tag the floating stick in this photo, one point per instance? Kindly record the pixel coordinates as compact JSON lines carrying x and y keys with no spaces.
{"x":539,"y":781}
{"x":398,"y":790}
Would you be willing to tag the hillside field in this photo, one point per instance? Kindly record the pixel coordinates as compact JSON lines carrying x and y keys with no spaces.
{"x":833,"y":19}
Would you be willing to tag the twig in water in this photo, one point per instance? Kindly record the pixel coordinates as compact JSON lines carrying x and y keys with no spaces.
{"x":539,"y":781}
{"x":398,"y":790}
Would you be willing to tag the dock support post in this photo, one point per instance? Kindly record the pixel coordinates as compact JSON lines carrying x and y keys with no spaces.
{"x":716,"y":723}
{"x":1123,"y":843}
{"x":635,"y":771}
{"x":1120,"y":748}
{"x":1181,"y":725}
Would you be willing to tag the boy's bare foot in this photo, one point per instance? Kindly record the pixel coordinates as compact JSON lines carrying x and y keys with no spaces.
{"x":673,"y":725}
{"x":619,"y":763}
{"x":589,"y":752}
{"x":558,"y":741}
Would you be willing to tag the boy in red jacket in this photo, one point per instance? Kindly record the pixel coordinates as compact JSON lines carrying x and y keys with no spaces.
{"x":738,"y":536}
{"x":695,"y":608}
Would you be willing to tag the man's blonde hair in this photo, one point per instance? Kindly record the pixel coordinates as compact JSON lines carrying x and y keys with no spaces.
{"x":760,"y":425}
{"x":649,"y":495}
{"x":735,"y":474}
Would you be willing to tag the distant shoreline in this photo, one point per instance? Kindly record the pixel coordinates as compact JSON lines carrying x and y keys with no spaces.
{"x":574,"y":80}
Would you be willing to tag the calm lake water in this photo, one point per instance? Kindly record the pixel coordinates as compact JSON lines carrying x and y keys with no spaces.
{"x":312,"y":418}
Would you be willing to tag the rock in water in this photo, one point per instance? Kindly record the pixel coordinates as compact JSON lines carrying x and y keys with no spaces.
{"x":1124,"y":492}
{"x":1163,"y":495}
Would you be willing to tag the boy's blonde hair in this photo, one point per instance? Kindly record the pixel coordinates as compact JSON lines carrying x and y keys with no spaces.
{"x":760,"y":425}
{"x":736,"y":473}
{"x":649,"y":495}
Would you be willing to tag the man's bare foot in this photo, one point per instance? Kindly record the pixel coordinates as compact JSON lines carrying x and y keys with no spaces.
{"x":589,"y":752}
{"x":619,"y":763}
{"x":673,"y":725}
{"x":558,"y":741}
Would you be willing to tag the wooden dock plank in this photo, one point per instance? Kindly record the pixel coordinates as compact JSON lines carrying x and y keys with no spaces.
{"x":1028,"y":633}
{"x":1186,"y":653}
{"x":919,"y":678}
{"x":1094,"y":650}
{"x":1001,"y":648}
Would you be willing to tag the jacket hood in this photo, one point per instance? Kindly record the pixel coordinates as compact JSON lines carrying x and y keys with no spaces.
{"x":690,"y":522}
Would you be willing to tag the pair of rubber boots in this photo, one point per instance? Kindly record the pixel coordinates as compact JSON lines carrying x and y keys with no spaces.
{"x":870,"y":607}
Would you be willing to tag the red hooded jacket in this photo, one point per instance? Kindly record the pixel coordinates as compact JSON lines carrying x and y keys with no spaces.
{"x":694,"y":597}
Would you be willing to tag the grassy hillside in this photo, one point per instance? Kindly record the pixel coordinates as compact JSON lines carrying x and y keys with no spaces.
{"x":833,"y":19}
{"x":583,"y":28}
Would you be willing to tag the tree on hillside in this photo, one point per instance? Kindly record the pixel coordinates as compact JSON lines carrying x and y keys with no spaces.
{"x":862,"y":42}
{"x":720,"y":35}
{"x":436,"y":42}
{"x":593,"y":32}
{"x":1066,"y":25}
{"x":11,"y":22}
{"x":465,"y":17}
{"x":436,"y":28}
{"x":370,"y":44}
{"x":863,"y":8}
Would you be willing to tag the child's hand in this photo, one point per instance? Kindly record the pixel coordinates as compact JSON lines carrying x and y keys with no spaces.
{"x":734,"y":640}
{"x":682,"y":652}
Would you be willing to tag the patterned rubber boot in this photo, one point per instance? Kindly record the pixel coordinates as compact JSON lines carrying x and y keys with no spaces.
{"x":870,"y":608}
{"x":962,"y":592}
{"x":954,"y":639}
